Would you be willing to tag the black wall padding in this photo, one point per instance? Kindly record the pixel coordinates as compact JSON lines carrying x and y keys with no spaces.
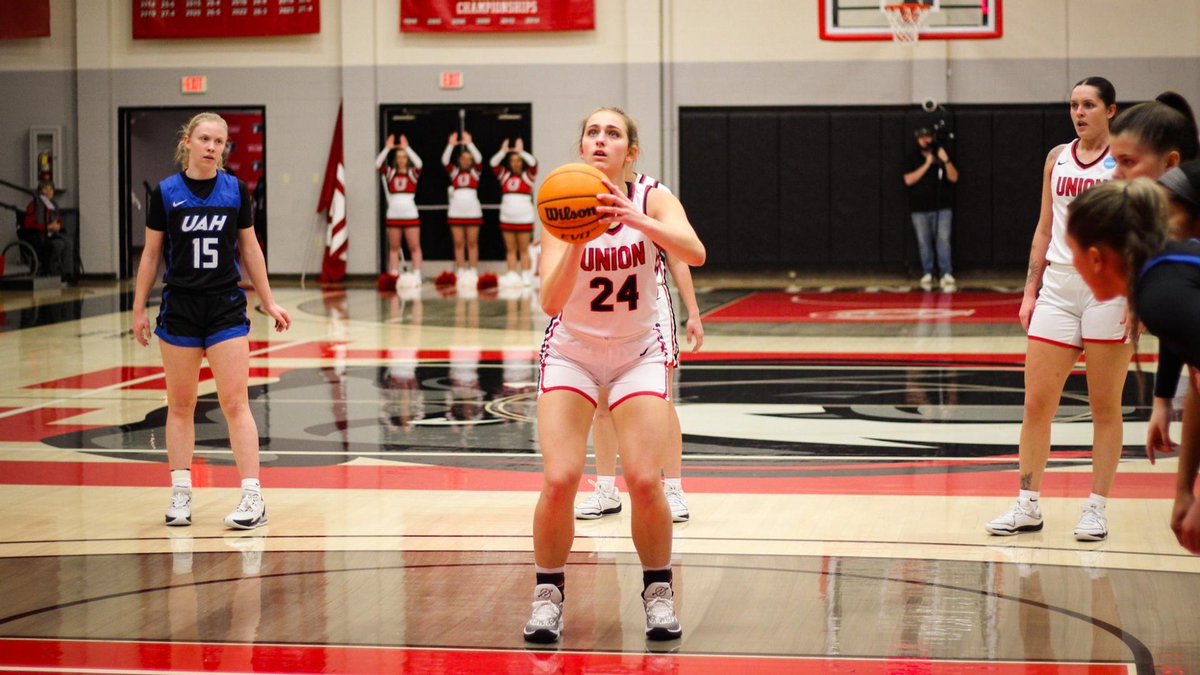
{"x":972,"y":226}
{"x":895,"y":232}
{"x":804,"y":208}
{"x":854,"y":193}
{"x":1057,"y":128}
{"x":786,"y":187}
{"x":1018,"y":158}
{"x":704,"y":180}
{"x":754,"y":188}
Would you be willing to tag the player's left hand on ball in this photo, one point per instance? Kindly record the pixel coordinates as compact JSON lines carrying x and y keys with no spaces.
{"x":614,"y":207}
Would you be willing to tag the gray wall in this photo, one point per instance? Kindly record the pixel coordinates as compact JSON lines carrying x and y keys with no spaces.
{"x":36,"y":99}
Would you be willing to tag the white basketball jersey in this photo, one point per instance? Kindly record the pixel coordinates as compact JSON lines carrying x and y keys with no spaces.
{"x":642,"y":184}
{"x":616,"y":287}
{"x":1068,"y":179}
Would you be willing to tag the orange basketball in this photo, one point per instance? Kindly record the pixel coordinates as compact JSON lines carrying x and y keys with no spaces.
{"x":567,"y":203}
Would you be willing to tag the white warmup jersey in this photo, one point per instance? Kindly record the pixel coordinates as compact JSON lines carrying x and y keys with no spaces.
{"x":666,"y":310}
{"x":1068,"y":179}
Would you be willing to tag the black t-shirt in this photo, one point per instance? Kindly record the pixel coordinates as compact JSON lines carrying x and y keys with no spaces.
{"x":1168,"y":300}
{"x":201,"y":226}
{"x":929,"y":193}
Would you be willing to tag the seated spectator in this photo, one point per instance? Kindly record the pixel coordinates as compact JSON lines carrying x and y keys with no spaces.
{"x":44,"y":231}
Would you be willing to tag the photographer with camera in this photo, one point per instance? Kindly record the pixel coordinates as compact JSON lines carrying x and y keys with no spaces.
{"x":930,"y":178}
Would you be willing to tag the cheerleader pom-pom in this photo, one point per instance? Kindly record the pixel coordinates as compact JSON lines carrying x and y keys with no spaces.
{"x":487,"y":281}
{"x":386,"y":283}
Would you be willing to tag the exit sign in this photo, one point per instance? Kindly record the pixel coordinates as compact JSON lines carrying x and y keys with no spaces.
{"x":452,"y":80}
{"x":194,"y":84}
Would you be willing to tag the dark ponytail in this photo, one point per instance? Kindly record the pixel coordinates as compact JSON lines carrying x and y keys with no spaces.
{"x":1189,"y":147}
{"x":1164,"y":125}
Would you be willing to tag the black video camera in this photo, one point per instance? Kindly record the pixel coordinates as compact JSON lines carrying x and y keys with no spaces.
{"x":942,"y":136}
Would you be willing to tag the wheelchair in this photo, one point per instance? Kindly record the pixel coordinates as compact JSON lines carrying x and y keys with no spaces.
{"x":20,"y":256}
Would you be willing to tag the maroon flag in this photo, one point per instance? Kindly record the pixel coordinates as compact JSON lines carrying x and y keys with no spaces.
{"x":333,"y":205}
{"x":23,"y":19}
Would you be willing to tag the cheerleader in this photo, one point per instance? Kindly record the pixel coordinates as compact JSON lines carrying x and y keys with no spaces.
{"x":465,"y":215}
{"x":515,"y":169}
{"x":399,"y":176}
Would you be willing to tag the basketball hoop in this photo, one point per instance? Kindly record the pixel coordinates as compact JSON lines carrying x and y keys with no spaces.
{"x":906,"y":20}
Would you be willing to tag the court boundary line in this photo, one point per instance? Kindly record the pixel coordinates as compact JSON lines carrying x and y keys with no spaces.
{"x":537,"y":455}
{"x":600,"y":537}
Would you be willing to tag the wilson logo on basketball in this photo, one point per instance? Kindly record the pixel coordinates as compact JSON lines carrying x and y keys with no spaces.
{"x":558,"y":214}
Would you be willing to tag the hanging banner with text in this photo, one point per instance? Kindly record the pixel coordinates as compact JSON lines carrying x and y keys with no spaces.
{"x":175,"y":19}
{"x":24,"y":19}
{"x":495,"y":16}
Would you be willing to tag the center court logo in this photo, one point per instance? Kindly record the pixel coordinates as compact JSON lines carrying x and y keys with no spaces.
{"x":837,"y":405}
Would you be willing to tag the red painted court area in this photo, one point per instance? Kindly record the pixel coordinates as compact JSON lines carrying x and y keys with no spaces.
{"x":154,"y":657}
{"x":879,"y":307}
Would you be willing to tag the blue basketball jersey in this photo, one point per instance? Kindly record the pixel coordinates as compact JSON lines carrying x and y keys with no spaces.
{"x":201,"y":249}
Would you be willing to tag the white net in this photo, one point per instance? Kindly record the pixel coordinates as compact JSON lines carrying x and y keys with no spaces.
{"x":906,"y":21}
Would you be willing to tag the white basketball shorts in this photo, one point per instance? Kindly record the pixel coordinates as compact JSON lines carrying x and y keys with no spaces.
{"x":627,"y":367}
{"x":1068,"y":315}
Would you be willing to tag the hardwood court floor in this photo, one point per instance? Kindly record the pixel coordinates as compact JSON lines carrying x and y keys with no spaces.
{"x":843,"y":449}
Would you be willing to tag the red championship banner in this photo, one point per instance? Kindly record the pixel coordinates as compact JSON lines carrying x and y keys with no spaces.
{"x":495,"y":16}
{"x":23,"y":19}
{"x":172,"y":19}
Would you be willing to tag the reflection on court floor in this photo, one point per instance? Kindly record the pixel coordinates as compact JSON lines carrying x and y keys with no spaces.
{"x":841,"y":453}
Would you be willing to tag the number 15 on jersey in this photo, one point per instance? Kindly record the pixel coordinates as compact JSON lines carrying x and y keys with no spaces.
{"x":204,"y":253}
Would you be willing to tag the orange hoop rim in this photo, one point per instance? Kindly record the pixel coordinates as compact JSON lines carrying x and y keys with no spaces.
{"x":908,"y":8}
{"x":905,"y":19}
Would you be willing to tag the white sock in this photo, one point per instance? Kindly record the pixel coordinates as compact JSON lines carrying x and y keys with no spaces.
{"x":549,"y":570}
{"x":676,"y":483}
{"x":181,"y":478}
{"x":606,"y":482}
{"x":1098,"y":500}
{"x":251,"y":485}
{"x":1031,"y":495}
